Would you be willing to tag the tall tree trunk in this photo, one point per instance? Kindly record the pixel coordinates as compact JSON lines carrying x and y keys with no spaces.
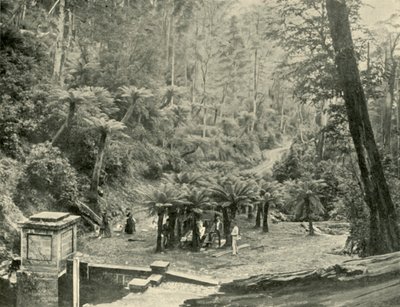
{"x":384,"y":231}
{"x":195,"y":236}
{"x":68,"y":121}
{"x":265,"y":219}
{"x":159,"y":231}
{"x":93,"y":193}
{"x":227,"y":226}
{"x":250,"y":214}
{"x":172,"y":58}
{"x":172,"y":222}
{"x":59,"y":52}
{"x":398,"y":131}
{"x":390,"y":100}
{"x":387,"y":108}
{"x":204,"y":133}
{"x":258,"y":216}
{"x":254,"y":91}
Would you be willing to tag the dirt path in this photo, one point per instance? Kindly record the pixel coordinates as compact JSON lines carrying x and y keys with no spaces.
{"x":270,"y":156}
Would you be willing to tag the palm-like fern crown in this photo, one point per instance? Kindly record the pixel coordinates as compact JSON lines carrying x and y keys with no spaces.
{"x":305,"y":194}
{"x":162,"y":197}
{"x":234,"y":192}
{"x":184,"y":178}
{"x":270,"y":191}
{"x":105,"y":124}
{"x":133,"y":93}
{"x":91,"y":101}
{"x":197,"y":200}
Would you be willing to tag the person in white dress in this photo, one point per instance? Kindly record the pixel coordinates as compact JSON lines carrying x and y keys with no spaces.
{"x":235,"y":236}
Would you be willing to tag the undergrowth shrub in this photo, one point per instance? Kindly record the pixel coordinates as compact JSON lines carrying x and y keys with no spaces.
{"x":48,"y":181}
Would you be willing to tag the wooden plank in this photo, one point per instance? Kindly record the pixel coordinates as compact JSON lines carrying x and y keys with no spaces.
{"x":75,"y":283}
{"x":219,"y":254}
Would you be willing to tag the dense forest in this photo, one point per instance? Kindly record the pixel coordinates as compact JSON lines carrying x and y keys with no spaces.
{"x":109,"y":103}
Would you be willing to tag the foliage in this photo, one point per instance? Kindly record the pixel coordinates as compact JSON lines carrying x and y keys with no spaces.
{"x":234,"y":194}
{"x":47,"y":173}
{"x":304,"y":197}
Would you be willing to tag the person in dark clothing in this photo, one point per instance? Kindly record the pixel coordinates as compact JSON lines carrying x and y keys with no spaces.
{"x":105,"y":227}
{"x":130,"y":226}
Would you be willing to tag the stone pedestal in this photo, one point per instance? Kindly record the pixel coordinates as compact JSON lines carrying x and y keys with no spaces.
{"x":37,"y":289}
{"x":48,"y":239}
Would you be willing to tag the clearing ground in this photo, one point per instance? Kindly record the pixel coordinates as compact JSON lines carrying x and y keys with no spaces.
{"x":287,"y":247}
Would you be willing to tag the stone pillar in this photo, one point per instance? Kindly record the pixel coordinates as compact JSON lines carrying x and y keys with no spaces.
{"x":48,"y":239}
{"x":36,"y":289}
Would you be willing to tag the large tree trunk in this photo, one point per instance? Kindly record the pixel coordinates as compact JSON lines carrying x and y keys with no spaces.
{"x":384,"y":231}
{"x":93,"y":193}
{"x":265,"y":220}
{"x":59,"y":52}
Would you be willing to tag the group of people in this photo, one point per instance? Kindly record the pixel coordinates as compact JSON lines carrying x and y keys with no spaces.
{"x":105,"y":227}
{"x":208,"y":233}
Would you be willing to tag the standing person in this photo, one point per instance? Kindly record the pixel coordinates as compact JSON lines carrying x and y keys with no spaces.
{"x":218,"y":230}
{"x":235,"y":236}
{"x":105,"y":227}
{"x":130,"y":224}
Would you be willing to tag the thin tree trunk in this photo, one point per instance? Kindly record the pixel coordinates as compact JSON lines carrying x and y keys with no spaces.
{"x":167,"y":42}
{"x":265,"y":220}
{"x":159,"y":231}
{"x":173,"y":59}
{"x":258,"y":216}
{"x":93,"y":194}
{"x":310,"y":227}
{"x":59,"y":52}
{"x":282,"y":117}
{"x":204,"y":122}
{"x":384,"y":231}
{"x":68,"y":121}
{"x":255,"y":80}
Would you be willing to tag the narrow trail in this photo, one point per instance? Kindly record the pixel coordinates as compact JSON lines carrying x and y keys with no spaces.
{"x":270,"y":156}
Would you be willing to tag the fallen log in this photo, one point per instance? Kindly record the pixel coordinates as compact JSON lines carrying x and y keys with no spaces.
{"x":371,"y":281}
{"x":86,"y":211}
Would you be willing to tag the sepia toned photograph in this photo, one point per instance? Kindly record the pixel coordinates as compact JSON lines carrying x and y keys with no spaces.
{"x":199,"y":153}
